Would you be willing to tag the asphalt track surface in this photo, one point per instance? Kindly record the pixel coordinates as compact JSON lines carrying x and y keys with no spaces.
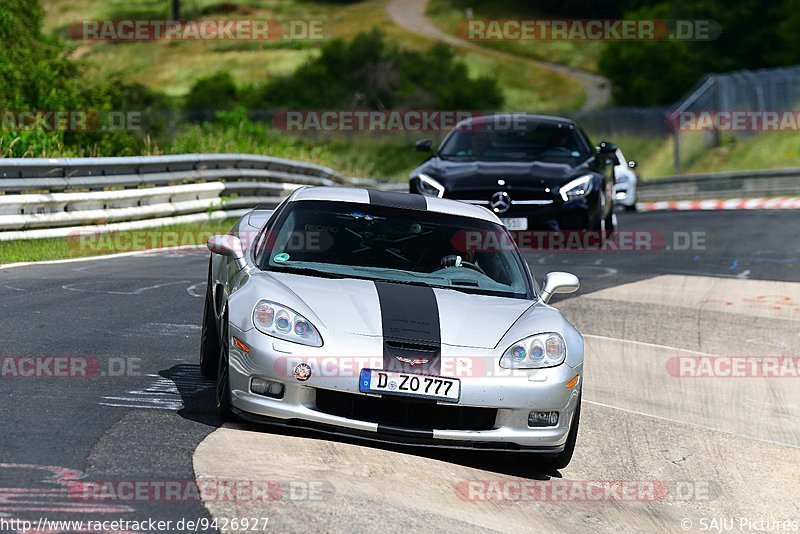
{"x":723,"y":448}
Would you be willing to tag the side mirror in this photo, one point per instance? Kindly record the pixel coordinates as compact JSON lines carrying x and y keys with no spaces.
{"x":632,"y":164}
{"x":606,"y":147}
{"x":230,"y":246}
{"x":424,"y":145}
{"x":557,"y":282}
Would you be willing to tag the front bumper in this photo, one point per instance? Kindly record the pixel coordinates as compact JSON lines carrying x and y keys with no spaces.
{"x":557,"y":215}
{"x":506,"y":397}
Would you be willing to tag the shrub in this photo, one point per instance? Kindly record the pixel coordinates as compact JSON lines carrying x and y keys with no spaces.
{"x":369,"y":73}
{"x":213,"y":93}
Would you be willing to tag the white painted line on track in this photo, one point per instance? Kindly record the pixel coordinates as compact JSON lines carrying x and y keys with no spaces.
{"x":667,"y":419}
{"x":678,"y":421}
{"x":100,"y":257}
{"x":645,"y":344}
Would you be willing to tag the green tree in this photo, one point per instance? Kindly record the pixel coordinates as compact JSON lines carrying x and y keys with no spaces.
{"x":660,"y":72}
{"x":369,"y":73}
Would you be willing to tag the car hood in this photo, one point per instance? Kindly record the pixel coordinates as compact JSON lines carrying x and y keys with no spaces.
{"x":471,"y":175}
{"x":353,"y":306}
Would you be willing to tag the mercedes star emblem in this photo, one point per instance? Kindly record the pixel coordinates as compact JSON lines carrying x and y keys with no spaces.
{"x":500,"y":202}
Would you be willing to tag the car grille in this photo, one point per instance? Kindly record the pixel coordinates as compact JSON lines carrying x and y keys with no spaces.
{"x":404,"y":413}
{"x":485,"y":195}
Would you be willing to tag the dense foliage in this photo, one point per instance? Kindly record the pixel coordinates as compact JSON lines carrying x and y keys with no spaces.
{"x":754,"y":34}
{"x":365,"y":73}
{"x":37,"y":75}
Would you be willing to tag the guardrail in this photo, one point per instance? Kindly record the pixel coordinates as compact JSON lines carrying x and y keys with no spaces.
{"x":57,"y":197}
{"x":722,"y":185}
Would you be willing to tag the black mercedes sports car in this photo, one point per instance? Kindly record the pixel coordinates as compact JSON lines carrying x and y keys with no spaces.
{"x":533,"y":171}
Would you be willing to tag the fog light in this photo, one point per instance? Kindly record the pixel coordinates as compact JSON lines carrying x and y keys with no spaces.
{"x":268,"y":388}
{"x":542,"y":419}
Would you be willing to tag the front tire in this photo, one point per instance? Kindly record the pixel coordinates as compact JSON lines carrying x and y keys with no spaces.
{"x":562,"y":459}
{"x":223,"y":384}
{"x":209,"y":337}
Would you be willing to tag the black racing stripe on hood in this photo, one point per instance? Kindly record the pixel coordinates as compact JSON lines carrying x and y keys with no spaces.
{"x":412,"y":337}
{"x":393,"y":199}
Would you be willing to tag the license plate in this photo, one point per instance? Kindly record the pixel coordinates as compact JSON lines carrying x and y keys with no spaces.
{"x":516,"y":223}
{"x":410,"y":385}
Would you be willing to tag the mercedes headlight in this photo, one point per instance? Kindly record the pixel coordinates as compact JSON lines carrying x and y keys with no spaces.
{"x":578,"y":188}
{"x":535,"y":352}
{"x":279,"y":321}
{"x":429,"y":187}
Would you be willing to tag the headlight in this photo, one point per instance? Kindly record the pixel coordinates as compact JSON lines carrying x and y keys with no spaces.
{"x":429,"y":187}
{"x":535,"y":352}
{"x":284,"y":323}
{"x":578,"y":188}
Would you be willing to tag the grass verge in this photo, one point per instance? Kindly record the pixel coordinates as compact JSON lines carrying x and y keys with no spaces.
{"x":173,"y":67}
{"x":382,"y":156}
{"x":450,"y":16}
{"x":96,"y":244}
{"x":656,"y":155}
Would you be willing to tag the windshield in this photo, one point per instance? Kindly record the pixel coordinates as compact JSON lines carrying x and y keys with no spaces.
{"x":529,"y":141}
{"x":341,"y":239}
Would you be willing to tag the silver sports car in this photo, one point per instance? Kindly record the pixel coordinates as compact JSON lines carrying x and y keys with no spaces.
{"x":391,"y":317}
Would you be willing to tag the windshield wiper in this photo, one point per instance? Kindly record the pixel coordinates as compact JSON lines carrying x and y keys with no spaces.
{"x":308,"y":271}
{"x":404,"y":282}
{"x":457,"y":157}
{"x":469,"y":290}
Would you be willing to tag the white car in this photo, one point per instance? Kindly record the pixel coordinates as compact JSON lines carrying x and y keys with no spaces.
{"x":625,"y":186}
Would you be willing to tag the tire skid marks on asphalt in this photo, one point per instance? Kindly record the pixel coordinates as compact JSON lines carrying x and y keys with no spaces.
{"x":753,"y":298}
{"x":164,"y":393}
{"x":165,"y":329}
{"x":81,"y":287}
{"x":12,"y":288}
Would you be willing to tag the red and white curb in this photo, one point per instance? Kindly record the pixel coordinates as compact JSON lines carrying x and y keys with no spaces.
{"x":775,"y":203}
